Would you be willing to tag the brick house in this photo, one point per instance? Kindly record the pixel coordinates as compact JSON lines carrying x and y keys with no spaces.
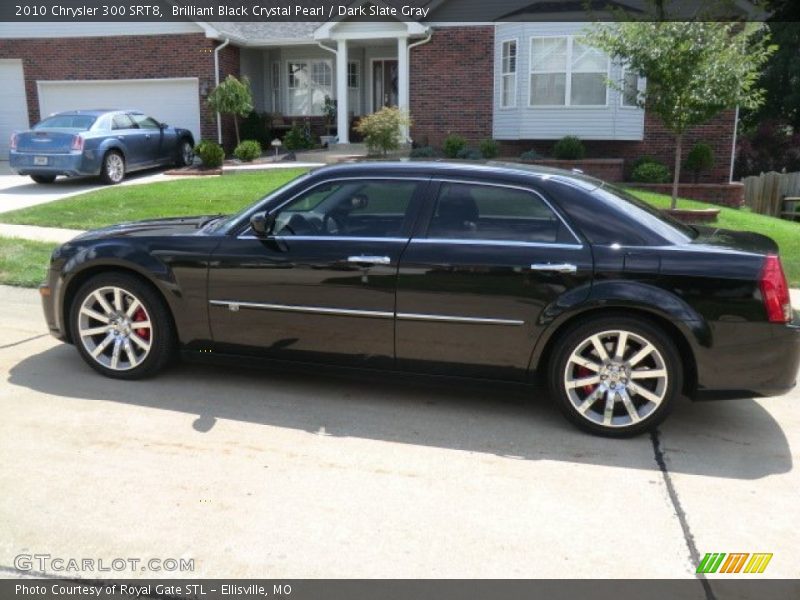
{"x":525,"y":84}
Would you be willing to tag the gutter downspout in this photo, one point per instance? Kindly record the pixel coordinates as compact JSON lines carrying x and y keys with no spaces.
{"x":408,"y":62}
{"x":733,"y":148}
{"x":216,"y":83}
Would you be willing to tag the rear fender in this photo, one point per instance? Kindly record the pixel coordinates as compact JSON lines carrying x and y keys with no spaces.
{"x":622,"y":296}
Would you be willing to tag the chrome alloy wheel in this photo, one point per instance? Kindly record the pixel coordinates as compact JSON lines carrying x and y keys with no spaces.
{"x":115,"y":167}
{"x":115,"y":328}
{"x":616,"y":378}
{"x":187,"y":153}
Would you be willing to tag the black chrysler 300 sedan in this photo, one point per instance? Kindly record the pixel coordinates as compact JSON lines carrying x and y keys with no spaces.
{"x":489,"y":271}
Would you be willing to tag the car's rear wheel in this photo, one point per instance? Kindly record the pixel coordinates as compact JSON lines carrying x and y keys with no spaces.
{"x":616,"y":376}
{"x":113,"y":170}
{"x":43,"y":178}
{"x":185,"y":153}
{"x":121,"y":326}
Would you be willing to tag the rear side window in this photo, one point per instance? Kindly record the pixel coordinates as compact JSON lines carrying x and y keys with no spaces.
{"x":122,"y":122}
{"x":482,"y":212}
{"x":83,"y":122}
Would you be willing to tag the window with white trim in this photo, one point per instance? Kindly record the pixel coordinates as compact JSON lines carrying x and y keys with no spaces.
{"x":354,"y":87}
{"x":509,"y":74}
{"x":276,"y":87}
{"x":566,"y":72}
{"x":631,"y":88}
{"x":308,"y":83}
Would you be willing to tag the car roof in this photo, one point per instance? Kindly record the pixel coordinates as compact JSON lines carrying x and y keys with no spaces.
{"x":96,"y":112}
{"x":443,"y":168}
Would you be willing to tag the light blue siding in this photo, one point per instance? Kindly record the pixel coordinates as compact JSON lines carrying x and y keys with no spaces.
{"x":523,"y":122}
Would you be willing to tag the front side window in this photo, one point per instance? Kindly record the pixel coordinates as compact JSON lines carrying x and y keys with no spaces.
{"x":144,"y":122}
{"x":309,"y":82}
{"x":567,"y":72}
{"x":492,"y":213}
{"x":363,"y":208}
{"x":509,"y":74}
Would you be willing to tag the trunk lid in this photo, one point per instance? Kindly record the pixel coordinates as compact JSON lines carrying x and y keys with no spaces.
{"x":743,"y":241}
{"x":46,"y":141}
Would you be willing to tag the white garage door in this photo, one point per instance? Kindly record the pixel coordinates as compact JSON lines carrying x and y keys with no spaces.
{"x":174,"y":101}
{"x":13,"y":106}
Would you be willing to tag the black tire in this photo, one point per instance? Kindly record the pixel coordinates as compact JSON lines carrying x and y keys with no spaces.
{"x":43,"y":178}
{"x":113,"y":169}
{"x":185,"y":156}
{"x":665,"y":358}
{"x":161,"y":335}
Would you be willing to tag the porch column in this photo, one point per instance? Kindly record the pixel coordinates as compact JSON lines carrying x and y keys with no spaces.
{"x":402,"y":79}
{"x":342,"y":110}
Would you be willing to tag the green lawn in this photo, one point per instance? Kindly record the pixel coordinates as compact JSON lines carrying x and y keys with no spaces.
{"x":23,"y":262}
{"x":785,"y":233}
{"x":179,"y":198}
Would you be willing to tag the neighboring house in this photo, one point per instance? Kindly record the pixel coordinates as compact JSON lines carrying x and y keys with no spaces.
{"x":525,"y":84}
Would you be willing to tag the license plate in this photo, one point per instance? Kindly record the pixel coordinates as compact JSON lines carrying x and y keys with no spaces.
{"x":39,"y":160}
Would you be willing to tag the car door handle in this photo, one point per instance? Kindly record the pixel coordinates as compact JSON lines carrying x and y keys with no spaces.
{"x":147,"y":136}
{"x":554,"y":267}
{"x":369,"y":260}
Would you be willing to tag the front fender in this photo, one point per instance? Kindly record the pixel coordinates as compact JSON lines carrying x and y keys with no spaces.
{"x":631,"y":296}
{"x":115,"y":255}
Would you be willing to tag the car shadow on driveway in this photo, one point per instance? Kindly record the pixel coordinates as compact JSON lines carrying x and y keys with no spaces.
{"x":731,"y":439}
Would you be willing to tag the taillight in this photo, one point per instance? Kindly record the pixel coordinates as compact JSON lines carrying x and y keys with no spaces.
{"x":775,"y":291}
{"x":13,"y":141}
{"x":77,"y":143}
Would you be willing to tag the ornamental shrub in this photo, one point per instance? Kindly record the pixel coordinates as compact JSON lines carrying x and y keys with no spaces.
{"x":382,"y":130}
{"x":211,"y":154}
{"x":453,"y":144}
{"x":489,"y":149}
{"x":569,"y":148}
{"x":248,"y":151}
{"x":699,"y":159}
{"x":651,"y":172}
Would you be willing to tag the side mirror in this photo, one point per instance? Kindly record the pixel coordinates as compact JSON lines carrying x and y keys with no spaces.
{"x":262,"y":223}
{"x":163,"y":125}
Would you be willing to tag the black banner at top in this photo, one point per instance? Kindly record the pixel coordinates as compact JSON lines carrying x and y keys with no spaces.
{"x":426,"y":11}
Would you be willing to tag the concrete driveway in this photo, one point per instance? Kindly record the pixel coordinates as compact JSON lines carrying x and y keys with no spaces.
{"x":291,"y":474}
{"x":17,"y":191}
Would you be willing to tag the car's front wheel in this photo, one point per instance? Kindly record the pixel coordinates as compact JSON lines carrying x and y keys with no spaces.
{"x":43,"y":178}
{"x":121,"y":326}
{"x":185,"y":153}
{"x":113,"y":170}
{"x":616,"y":376}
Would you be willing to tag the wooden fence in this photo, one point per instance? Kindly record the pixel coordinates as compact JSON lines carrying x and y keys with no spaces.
{"x":764,"y":193}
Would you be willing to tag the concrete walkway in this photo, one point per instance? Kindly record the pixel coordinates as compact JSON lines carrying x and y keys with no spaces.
{"x":39,"y":234}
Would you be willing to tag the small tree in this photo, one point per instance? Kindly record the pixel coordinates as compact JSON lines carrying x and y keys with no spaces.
{"x":694,"y":70}
{"x":232,"y":97}
{"x":382,"y":130}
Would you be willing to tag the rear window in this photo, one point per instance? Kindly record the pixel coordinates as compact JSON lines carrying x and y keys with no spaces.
{"x":83,"y":122}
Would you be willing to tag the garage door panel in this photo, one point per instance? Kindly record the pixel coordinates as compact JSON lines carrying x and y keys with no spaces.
{"x":13,"y":104}
{"x":174,"y":101}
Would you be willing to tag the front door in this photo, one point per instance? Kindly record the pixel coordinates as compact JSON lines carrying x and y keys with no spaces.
{"x":476,"y":283}
{"x":384,"y":84}
{"x":322,"y":286}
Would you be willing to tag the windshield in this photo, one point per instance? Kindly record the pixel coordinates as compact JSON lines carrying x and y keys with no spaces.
{"x":661,"y":223}
{"x":232,"y":221}
{"x":83,"y":122}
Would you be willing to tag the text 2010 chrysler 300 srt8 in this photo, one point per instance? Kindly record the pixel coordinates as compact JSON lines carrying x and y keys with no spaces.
{"x":491,"y":271}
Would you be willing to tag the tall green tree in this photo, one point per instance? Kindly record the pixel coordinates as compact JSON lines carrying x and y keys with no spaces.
{"x":232,"y":97}
{"x":694,"y":70}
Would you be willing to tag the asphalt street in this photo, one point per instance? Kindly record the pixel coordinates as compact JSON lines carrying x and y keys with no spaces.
{"x":264,"y":473}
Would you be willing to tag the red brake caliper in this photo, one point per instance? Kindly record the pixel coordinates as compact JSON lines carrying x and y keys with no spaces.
{"x":584,"y":372}
{"x":142,"y":332}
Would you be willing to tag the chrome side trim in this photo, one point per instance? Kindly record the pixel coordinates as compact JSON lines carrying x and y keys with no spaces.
{"x":452,"y":319}
{"x":555,"y":267}
{"x":234,"y":306}
{"x":465,"y":242}
{"x":324,"y":238}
